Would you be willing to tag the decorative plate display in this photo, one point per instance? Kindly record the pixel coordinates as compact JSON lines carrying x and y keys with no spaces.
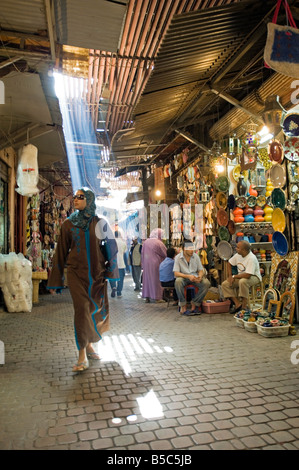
{"x":261,"y":201}
{"x":241,"y":202}
{"x":278,"y":198}
{"x":280,"y":243}
{"x":293,"y":170}
{"x":224,"y":250}
{"x":223,"y":234}
{"x":278,"y":220}
{"x":222,"y":217}
{"x":231,"y":202}
{"x":291,"y":125}
{"x":277,"y":175}
{"x":237,"y":172}
{"x":221,"y":200}
{"x":222,"y":183}
{"x":291,"y":149}
{"x":251,"y":201}
{"x":231,"y":227}
{"x":276,"y":153}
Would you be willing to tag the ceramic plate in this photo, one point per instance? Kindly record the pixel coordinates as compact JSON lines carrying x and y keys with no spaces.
{"x":277,"y":175}
{"x":224,"y":250}
{"x":222,"y":217}
{"x":231,"y":202}
{"x":261,"y":201}
{"x":291,"y":125}
{"x":241,"y":202}
{"x":231,"y":227}
{"x":280,"y":243}
{"x":222,"y":183}
{"x":221,"y":201}
{"x":251,"y":201}
{"x":291,"y":149}
{"x":237,"y":172}
{"x":278,"y":220}
{"x":276,"y":152}
{"x":223,"y":234}
{"x":278,"y":198}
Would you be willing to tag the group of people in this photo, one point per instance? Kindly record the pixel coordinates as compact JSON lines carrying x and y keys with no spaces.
{"x":94,"y":254}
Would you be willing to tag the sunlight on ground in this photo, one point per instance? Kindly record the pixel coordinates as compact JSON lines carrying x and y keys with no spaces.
{"x":125,"y":349}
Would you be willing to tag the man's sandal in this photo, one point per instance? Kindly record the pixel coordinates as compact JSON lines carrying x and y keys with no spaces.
{"x":81,"y":366}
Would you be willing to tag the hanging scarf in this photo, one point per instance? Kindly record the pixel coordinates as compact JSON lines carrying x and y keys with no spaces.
{"x":83,"y":218}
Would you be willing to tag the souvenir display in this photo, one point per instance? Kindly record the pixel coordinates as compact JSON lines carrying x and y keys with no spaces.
{"x":261,"y":201}
{"x":291,"y":149}
{"x":241,"y":202}
{"x":231,"y":227}
{"x":291,"y":125}
{"x":277,"y":175}
{"x":251,"y":201}
{"x":221,"y":200}
{"x":280,"y":243}
{"x":223,"y":234}
{"x":224,"y":250}
{"x":222,"y":217}
{"x":222,"y":183}
{"x":278,"y":220}
{"x":278,"y":198}
{"x":276,"y":153}
{"x":236,"y":173}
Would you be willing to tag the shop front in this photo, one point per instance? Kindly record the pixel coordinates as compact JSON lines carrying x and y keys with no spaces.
{"x":244,"y":188}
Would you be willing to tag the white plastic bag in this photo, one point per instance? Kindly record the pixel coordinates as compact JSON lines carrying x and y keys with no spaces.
{"x":27,"y":171}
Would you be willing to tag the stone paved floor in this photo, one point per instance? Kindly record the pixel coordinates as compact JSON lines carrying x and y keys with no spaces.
{"x":165,"y":382}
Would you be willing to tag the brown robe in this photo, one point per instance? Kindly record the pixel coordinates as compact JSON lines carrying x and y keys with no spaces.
{"x":88,"y":267}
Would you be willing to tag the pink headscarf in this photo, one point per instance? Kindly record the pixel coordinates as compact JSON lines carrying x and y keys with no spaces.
{"x":157,"y":233}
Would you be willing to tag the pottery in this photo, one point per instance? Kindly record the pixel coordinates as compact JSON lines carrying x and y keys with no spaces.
{"x":239,"y":219}
{"x":249,"y":218}
{"x":238,"y":211}
{"x":259,"y":218}
{"x":241,"y":186}
{"x":248,"y":211}
{"x":252,"y":192}
{"x":258,"y":212}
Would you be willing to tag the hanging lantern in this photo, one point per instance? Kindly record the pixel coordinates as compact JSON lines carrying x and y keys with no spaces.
{"x":273,"y":114}
{"x":231,"y":148}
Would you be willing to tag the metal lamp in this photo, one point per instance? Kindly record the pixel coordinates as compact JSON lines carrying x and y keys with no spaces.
{"x":273,"y":114}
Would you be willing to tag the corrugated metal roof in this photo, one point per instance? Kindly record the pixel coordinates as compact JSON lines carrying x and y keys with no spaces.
{"x":90,"y":24}
{"x":196,"y":47}
{"x":26,"y":16}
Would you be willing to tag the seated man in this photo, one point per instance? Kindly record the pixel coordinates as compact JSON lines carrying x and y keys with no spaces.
{"x":237,"y":286}
{"x":189,"y":270}
{"x":166,"y":275}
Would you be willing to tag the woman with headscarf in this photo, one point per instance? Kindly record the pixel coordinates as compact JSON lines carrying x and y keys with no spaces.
{"x":87,"y":247}
{"x":152,"y":254}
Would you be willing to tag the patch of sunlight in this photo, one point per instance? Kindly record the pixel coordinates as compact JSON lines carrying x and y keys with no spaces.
{"x":149,"y":406}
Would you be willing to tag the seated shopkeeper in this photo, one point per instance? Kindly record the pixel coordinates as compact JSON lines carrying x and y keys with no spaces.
{"x":236,"y":287}
{"x":188,"y":270}
{"x":166,"y":274}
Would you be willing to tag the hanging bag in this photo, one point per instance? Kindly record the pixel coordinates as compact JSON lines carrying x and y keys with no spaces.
{"x":282,"y":46}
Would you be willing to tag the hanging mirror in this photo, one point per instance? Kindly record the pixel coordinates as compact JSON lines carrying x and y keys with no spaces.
{"x":287,"y":307}
{"x":283,"y":277}
{"x":270,"y":294}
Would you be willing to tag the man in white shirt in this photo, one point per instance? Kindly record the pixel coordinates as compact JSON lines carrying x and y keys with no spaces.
{"x":237,"y":286}
{"x":189,"y":270}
